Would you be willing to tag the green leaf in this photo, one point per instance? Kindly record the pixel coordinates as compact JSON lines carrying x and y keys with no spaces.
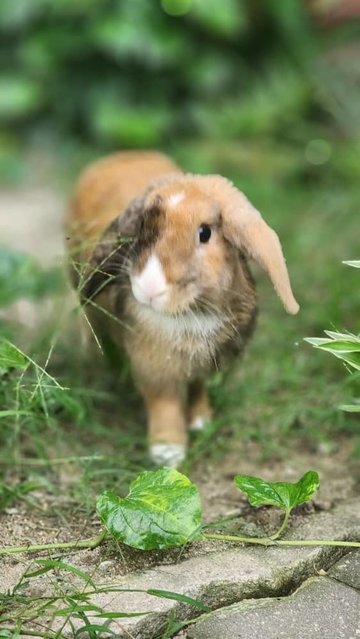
{"x":345,"y":346}
{"x":346,"y":336}
{"x":120,"y":615}
{"x":176,"y":596}
{"x":76,"y":609}
{"x":351,"y":408}
{"x":94,"y":630}
{"x":342,"y":346}
{"x":283,"y":495}
{"x":354,"y":263}
{"x":162,"y":510}
{"x":50,"y":564}
{"x":11,"y":356}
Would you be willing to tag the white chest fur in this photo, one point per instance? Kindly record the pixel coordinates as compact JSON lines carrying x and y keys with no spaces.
{"x":178,"y":328}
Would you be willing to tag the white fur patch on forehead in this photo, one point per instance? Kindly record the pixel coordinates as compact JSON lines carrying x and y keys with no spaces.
{"x":176,"y":198}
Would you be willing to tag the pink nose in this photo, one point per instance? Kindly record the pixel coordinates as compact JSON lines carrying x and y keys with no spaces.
{"x":149,"y":294}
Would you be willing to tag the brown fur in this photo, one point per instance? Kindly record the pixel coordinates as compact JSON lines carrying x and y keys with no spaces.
{"x":122,"y":213}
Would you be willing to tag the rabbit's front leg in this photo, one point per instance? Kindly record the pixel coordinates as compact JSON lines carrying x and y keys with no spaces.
{"x":199,"y":409}
{"x":166,"y":427}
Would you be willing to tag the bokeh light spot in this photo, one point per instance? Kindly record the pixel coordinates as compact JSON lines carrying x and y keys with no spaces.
{"x":318,"y":151}
{"x":176,"y":7}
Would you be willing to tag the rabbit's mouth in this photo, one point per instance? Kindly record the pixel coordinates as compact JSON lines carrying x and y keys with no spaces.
{"x":150,"y":287}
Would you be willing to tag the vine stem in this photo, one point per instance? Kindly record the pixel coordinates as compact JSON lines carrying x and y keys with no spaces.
{"x":282,"y":527}
{"x":91,"y":543}
{"x":94,"y":542}
{"x":282,"y":542}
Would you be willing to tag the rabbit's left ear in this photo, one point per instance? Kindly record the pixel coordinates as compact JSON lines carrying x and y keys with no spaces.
{"x":244,"y":227}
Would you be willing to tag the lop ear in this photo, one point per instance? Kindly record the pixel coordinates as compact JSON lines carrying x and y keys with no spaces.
{"x":244,"y":227}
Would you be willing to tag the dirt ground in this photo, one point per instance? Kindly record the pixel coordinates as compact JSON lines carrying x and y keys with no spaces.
{"x":22,"y":524}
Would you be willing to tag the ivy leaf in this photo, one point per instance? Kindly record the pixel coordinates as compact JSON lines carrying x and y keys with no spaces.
{"x":162,"y":510}
{"x":283,"y":495}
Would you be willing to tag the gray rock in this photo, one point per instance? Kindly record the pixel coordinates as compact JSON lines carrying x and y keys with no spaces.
{"x":230,"y":575}
{"x":321,"y":608}
{"x":347,"y":569}
{"x":219,"y":576}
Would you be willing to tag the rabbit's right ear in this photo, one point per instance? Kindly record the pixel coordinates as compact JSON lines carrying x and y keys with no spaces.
{"x":245,"y":228}
{"x":108,"y":260}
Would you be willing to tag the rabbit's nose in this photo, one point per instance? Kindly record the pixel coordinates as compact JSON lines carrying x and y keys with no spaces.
{"x":150,"y":286}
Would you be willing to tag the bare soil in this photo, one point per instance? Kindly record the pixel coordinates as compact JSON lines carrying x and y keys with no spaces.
{"x":52,"y":521}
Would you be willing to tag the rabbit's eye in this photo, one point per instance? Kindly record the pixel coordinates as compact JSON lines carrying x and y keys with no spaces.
{"x":204,"y":233}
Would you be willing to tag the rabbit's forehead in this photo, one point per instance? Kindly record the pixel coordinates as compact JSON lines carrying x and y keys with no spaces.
{"x":187,"y":210}
{"x":173,"y":217}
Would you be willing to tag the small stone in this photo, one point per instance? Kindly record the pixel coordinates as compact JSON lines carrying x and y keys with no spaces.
{"x":106,"y":566}
{"x":347,"y":569}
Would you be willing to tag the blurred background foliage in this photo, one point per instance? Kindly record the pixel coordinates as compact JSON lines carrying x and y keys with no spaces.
{"x":88,"y":76}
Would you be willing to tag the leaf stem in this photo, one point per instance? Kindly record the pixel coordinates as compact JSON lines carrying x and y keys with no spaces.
{"x":283,"y":525}
{"x":269,"y":541}
{"x":91,"y":543}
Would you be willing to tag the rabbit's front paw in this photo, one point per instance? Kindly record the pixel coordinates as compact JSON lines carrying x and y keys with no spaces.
{"x":199,"y":423}
{"x":167,"y":454}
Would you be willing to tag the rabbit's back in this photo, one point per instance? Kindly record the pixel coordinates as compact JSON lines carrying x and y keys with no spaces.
{"x":105,"y":189}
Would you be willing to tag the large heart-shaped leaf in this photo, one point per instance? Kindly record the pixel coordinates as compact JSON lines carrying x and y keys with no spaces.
{"x":284,"y":495}
{"x":162,"y":510}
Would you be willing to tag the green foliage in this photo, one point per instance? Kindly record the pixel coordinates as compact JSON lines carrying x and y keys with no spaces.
{"x":10,"y":356}
{"x":344,"y":346}
{"x":30,"y":397}
{"x":22,"y":277}
{"x":162,"y":510}
{"x":283,"y":495}
{"x":125,"y":73}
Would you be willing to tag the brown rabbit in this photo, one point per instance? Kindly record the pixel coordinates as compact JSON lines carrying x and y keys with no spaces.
{"x":160,"y":260}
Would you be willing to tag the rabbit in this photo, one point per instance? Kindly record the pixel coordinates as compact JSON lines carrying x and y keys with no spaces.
{"x":161,"y":264}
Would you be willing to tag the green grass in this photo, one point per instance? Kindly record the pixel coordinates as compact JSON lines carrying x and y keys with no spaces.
{"x":282,"y":389}
{"x":89,"y":424}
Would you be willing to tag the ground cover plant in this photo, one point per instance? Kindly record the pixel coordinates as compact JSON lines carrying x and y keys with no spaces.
{"x":345,"y":346}
{"x":163,"y":510}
